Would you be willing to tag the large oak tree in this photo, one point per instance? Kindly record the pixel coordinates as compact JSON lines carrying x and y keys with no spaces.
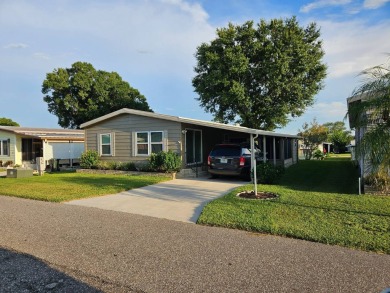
{"x":259,"y":76}
{"x":82,"y":93}
{"x":8,"y":122}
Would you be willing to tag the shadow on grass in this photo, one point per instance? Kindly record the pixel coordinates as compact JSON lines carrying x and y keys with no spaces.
{"x":333,"y":208}
{"x":21,"y":272}
{"x":332,"y":175}
{"x":113,"y":181}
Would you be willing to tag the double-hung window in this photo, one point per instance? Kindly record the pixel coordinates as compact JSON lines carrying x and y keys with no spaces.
{"x":149,"y":142}
{"x":106,"y":144}
{"x":4,"y":147}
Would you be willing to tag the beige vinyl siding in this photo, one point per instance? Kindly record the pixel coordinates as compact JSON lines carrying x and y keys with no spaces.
{"x":4,"y":135}
{"x":123,"y":127}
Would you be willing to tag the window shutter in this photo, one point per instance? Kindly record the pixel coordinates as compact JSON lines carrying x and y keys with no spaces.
{"x":133,"y":144}
{"x":98,"y":144}
{"x":113,"y":144}
{"x":9,"y":148}
{"x":165,"y":140}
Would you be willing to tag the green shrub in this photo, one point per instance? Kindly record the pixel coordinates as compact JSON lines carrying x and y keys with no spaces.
{"x":267,"y":173}
{"x":129,"y":166}
{"x":8,"y":163}
{"x":318,"y":155}
{"x":102,"y":165}
{"x":89,"y":159}
{"x":112,"y":165}
{"x":165,"y":162}
{"x":379,"y":180}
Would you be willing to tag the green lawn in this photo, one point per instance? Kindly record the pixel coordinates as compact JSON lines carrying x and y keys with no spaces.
{"x":318,"y":202}
{"x":65,"y":186}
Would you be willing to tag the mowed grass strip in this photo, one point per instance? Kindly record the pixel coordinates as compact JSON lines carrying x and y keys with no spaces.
{"x":65,"y":186}
{"x":318,"y":201}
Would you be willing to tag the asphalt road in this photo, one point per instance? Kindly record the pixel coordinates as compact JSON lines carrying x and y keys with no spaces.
{"x":48,"y":247}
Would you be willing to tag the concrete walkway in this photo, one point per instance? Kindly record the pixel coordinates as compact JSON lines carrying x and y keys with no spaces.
{"x":179,"y":199}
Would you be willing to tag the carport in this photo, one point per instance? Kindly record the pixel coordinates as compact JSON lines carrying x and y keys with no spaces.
{"x":201,"y":136}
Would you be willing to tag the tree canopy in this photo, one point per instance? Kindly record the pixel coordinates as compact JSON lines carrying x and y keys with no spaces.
{"x":82,"y":93}
{"x":338,"y":135}
{"x":8,"y":122}
{"x":259,"y":76}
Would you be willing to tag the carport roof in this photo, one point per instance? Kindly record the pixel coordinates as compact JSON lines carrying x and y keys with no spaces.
{"x":46,"y":133}
{"x":185,"y":120}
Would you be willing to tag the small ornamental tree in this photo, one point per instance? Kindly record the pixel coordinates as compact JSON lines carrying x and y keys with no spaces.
{"x":313,"y":135}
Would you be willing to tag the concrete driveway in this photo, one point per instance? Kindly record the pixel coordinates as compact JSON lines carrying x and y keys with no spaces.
{"x":179,"y":199}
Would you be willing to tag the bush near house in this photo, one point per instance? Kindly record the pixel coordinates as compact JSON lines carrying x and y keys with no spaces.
{"x":318,"y":155}
{"x":267,"y":173}
{"x":89,"y":159}
{"x":165,"y":162}
{"x":112,"y":165}
{"x":159,"y":162}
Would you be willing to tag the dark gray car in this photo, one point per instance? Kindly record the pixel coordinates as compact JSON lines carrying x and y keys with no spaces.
{"x":230,"y":160}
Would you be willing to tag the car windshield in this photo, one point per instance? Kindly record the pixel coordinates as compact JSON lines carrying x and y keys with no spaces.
{"x":226,"y":151}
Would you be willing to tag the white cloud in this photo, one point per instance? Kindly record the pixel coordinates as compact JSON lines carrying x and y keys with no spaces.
{"x":328,"y":111}
{"x":15,"y":46}
{"x":195,"y":10}
{"x":374,"y":4}
{"x":40,"y":55}
{"x":352,"y":46}
{"x":322,"y":3}
{"x":141,"y":37}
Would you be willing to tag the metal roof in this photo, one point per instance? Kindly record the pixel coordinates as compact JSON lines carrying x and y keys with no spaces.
{"x":185,"y":120}
{"x":46,"y":133}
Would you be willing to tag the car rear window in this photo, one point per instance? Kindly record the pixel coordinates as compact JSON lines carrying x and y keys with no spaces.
{"x":226,"y":151}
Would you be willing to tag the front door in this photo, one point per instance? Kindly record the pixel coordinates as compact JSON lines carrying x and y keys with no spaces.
{"x":31,"y":149}
{"x":193,"y":146}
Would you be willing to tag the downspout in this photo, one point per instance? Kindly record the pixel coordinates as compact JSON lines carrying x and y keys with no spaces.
{"x":253,"y":151}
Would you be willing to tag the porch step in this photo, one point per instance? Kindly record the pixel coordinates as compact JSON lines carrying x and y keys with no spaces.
{"x":190,"y":173}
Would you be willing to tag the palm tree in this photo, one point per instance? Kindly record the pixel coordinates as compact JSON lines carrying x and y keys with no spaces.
{"x":369,"y":114}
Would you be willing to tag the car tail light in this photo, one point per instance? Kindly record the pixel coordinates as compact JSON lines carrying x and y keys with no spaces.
{"x":242,"y":161}
{"x":209,"y":160}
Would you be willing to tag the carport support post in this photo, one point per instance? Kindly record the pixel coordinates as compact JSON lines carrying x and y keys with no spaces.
{"x":253,"y":157}
{"x":264,"y":149}
{"x":274,"y":150}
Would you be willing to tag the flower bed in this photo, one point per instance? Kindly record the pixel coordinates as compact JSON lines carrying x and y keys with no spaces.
{"x":119,"y":172}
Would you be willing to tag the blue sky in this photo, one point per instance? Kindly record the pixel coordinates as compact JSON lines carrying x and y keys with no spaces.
{"x":151,"y":44}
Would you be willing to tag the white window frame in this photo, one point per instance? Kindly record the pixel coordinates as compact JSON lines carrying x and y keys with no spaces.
{"x":101,"y":144}
{"x":1,"y":147}
{"x":149,"y":143}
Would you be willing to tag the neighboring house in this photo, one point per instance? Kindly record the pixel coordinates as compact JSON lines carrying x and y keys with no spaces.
{"x":22,"y":145}
{"x":364,"y":165}
{"x":323,"y":147}
{"x":132,"y":135}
